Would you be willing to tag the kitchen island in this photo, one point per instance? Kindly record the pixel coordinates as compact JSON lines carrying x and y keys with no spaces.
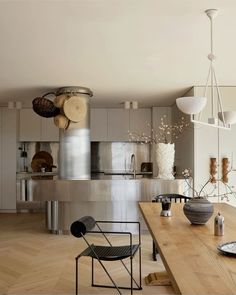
{"x":106,"y":199}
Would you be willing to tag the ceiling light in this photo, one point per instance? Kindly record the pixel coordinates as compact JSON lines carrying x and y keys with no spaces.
{"x":134,"y":105}
{"x":194,"y":105}
{"x":18,"y":105}
{"x":127,"y":105}
{"x":10,"y":105}
{"x":191,"y":105}
{"x":230,"y":117}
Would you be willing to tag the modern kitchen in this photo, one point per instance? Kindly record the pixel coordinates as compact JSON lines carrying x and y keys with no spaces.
{"x":106,"y":135}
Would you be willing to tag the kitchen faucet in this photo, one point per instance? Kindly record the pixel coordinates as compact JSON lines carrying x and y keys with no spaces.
{"x":133,"y":165}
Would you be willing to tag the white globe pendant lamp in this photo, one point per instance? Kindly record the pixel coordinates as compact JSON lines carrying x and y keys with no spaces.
{"x":193,"y":105}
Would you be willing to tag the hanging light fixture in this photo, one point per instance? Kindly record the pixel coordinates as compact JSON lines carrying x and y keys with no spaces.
{"x":194,"y":105}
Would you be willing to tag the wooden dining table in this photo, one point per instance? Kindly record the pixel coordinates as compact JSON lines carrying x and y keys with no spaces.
{"x":189,"y":252}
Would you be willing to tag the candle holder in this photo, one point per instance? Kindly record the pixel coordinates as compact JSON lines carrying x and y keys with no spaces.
{"x":166,"y":205}
{"x":225,"y":171}
{"x":213,"y":169}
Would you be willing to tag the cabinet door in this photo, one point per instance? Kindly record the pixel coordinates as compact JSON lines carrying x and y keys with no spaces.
{"x":49,"y":132}
{"x":140,"y":121}
{"x":8,"y":160}
{"x":118,"y":125}
{"x":30,"y":126}
{"x":98,"y":124}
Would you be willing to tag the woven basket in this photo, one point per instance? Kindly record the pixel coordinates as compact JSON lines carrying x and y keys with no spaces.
{"x":45,"y":107}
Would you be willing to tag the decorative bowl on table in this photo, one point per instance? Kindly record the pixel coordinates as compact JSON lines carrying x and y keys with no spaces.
{"x":198,"y":210}
{"x":228,"y":248}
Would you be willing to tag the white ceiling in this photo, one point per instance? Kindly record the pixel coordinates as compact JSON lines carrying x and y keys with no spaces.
{"x":151,"y":51}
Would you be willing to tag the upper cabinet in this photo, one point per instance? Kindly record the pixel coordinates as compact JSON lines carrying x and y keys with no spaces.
{"x":115,"y":124}
{"x":118,"y":125}
{"x":30,"y":126}
{"x":49,"y":131}
{"x":98,"y":124}
{"x":36,"y":128}
{"x":140,"y":121}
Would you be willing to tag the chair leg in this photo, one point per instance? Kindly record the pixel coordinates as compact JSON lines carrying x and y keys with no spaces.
{"x":92,"y":272}
{"x":113,"y":282}
{"x":154,"y":251}
{"x":140,"y":270}
{"x":131,"y":276}
{"x":132,"y":280}
{"x":76,"y":275}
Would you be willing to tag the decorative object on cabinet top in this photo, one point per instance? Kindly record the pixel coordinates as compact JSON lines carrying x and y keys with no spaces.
{"x":68,"y":105}
{"x":45,"y":107}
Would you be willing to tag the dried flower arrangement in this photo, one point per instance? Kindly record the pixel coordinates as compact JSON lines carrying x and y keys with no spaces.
{"x":166,"y":132}
{"x":214,"y":191}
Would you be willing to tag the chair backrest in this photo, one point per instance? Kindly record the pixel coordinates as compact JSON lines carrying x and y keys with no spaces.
{"x":172,"y":197}
{"x":79,"y":227}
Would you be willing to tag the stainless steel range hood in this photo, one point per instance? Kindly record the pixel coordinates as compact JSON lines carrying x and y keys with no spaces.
{"x":74,"y":148}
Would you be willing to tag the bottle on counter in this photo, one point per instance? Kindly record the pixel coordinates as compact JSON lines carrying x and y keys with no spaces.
{"x":219,"y":225}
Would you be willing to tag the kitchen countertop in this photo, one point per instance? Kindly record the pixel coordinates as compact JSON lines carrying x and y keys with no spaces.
{"x":127,"y":173}
{"x":28,"y":175}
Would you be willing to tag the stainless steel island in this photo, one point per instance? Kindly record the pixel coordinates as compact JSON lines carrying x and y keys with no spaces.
{"x":107,"y":199}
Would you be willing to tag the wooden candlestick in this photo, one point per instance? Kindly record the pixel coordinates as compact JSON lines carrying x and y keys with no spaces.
{"x":213,"y":169}
{"x":225,"y":166}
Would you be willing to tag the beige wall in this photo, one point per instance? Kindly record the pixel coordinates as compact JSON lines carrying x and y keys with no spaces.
{"x":206,"y":140}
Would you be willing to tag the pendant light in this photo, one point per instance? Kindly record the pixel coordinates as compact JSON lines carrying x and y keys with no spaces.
{"x":194,"y":105}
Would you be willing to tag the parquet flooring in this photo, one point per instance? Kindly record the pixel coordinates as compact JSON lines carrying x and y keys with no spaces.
{"x":32,"y":261}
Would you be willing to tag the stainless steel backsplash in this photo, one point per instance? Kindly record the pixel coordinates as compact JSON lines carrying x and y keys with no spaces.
{"x":116,"y":156}
{"x":105,"y":156}
{"x":31,"y":148}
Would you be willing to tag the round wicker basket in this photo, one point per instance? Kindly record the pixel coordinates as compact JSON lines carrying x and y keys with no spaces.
{"x":45,"y":107}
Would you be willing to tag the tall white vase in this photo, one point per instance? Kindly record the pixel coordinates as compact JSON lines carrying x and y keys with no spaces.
{"x":165,"y":156}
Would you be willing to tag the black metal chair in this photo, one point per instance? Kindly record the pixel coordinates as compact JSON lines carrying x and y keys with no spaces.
{"x":175,"y":198}
{"x":86,"y":225}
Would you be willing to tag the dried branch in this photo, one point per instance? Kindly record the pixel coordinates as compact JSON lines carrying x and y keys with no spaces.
{"x":165,"y":133}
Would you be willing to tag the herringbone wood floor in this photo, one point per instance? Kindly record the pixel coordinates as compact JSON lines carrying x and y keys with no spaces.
{"x":32,"y":261}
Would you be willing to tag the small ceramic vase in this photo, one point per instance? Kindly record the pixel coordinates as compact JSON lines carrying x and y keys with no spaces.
{"x":198,"y":210}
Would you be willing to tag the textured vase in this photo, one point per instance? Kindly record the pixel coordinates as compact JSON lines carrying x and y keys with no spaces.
{"x":198,"y":210}
{"x":165,"y":156}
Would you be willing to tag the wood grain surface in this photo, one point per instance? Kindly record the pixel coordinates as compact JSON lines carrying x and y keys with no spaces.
{"x":189,"y":252}
{"x":34,"y":262}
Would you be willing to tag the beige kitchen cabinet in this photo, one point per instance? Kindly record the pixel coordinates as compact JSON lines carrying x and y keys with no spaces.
{"x":36,"y":128}
{"x":98,"y":124}
{"x":118,"y":125}
{"x":49,"y":131}
{"x":140,"y":121}
{"x":30,"y":126}
{"x":8,"y":148}
{"x":114,"y":124}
